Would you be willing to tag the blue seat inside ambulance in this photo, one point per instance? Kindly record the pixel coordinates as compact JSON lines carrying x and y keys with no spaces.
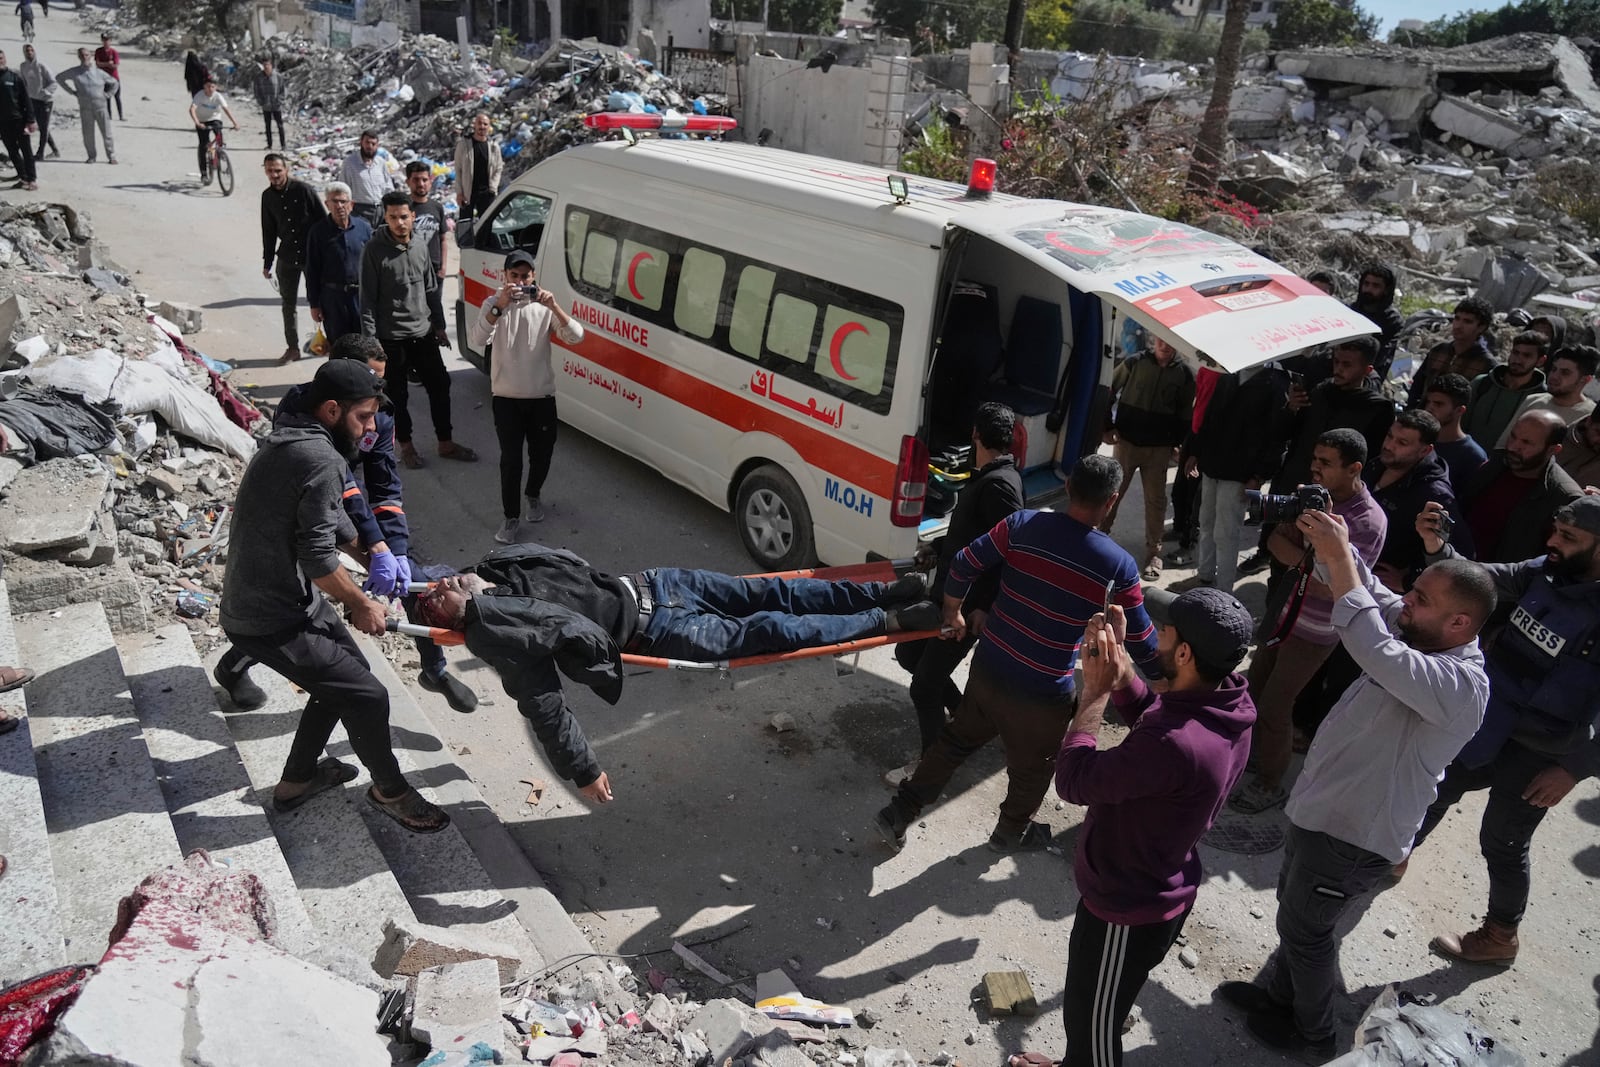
{"x":969,"y":354}
{"x":1032,"y":358}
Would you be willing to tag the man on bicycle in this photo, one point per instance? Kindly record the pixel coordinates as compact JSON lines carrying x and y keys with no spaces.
{"x":204,"y":109}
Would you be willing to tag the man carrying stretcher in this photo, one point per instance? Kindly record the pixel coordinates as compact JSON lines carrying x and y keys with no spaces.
{"x":531,"y":612}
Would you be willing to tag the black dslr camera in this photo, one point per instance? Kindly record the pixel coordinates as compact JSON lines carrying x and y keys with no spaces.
{"x":1264,"y":509}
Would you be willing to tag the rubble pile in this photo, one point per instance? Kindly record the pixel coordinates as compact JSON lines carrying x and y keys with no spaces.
{"x":420,"y":94}
{"x":119,"y":442}
{"x":1429,"y":158}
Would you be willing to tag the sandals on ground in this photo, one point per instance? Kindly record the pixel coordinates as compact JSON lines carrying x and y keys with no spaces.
{"x":14,"y":678}
{"x":411,"y":810}
{"x":330,"y":775}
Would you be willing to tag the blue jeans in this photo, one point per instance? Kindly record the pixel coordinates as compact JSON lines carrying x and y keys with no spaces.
{"x":702,"y":615}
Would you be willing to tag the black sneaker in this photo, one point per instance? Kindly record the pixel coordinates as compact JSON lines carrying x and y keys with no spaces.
{"x":1277,"y":1030}
{"x":1261,"y":558}
{"x":891,"y":823}
{"x":1249,"y":997}
{"x":907,"y":588}
{"x":1035,"y":837}
{"x":244,"y":694}
{"x":456,"y":692}
{"x":924,"y":615}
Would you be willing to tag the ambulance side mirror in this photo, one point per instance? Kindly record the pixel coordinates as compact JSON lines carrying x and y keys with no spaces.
{"x":464,"y":233}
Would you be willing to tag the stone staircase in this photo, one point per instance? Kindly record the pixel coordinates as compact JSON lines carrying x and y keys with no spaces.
{"x":125,"y":762}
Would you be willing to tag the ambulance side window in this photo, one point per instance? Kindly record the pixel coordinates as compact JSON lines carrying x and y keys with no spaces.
{"x":699,"y":292}
{"x":577,"y":230}
{"x":793,"y":323}
{"x":750,"y":302}
{"x":518,"y":223}
{"x":642,"y":278}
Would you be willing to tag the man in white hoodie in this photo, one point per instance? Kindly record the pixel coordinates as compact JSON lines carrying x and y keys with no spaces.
{"x":519,"y":322}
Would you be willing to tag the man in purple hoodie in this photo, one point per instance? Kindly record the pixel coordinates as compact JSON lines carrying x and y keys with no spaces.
{"x":1149,"y":800}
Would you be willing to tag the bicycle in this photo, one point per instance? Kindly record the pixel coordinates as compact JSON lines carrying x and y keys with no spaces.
{"x":217,"y":160}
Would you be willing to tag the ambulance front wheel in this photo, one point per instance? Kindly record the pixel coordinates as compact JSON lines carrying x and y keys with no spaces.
{"x":774,"y":522}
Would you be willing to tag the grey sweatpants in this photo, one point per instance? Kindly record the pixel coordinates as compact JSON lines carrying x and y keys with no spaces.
{"x":90,"y":116}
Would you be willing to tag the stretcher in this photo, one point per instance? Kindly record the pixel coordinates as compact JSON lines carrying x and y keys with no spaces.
{"x":879,"y":571}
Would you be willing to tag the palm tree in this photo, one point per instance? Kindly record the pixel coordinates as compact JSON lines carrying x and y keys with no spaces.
{"x":1208,"y":145}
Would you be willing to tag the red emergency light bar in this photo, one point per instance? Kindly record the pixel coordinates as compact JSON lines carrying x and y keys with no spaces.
{"x":613,"y":120}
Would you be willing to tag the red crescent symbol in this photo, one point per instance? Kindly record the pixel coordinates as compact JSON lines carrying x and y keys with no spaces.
{"x":637,"y":259}
{"x":836,"y":347}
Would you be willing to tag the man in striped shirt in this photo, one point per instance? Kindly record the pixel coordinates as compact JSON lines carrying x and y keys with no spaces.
{"x":1058,"y":567}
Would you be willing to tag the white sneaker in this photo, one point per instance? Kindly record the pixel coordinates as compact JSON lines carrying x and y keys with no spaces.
{"x":535,"y":510}
{"x":893,"y":778}
{"x":507,"y":534}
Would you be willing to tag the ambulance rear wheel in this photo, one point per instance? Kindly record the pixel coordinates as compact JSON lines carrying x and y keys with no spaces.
{"x":774,"y":522}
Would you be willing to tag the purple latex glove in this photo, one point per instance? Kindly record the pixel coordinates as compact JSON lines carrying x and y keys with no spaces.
{"x":402,"y":576}
{"x":382,"y":573}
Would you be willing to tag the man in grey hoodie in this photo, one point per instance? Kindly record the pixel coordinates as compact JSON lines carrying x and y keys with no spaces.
{"x":95,"y":89}
{"x":288,"y":529}
{"x":400,"y":307}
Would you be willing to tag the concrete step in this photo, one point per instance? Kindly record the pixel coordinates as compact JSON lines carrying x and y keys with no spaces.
{"x":209,"y":795}
{"x":30,"y":932}
{"x":106,"y":816}
{"x":344,"y":879}
{"x":473,"y":875}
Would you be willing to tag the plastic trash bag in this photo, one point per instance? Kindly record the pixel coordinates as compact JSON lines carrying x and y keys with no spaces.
{"x":1399,"y":1031}
{"x":319,"y":343}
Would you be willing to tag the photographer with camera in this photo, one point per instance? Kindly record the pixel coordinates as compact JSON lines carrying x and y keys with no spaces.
{"x":518,"y":322}
{"x":1297,"y":633}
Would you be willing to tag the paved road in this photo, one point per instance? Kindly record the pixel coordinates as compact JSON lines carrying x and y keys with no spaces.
{"x":722,"y":825}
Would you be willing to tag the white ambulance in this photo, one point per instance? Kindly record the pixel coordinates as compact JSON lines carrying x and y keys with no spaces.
{"x":799,"y":339}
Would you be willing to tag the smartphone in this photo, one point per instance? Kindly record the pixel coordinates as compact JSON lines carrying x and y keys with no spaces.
{"x":1105,"y":609}
{"x":1297,"y":380}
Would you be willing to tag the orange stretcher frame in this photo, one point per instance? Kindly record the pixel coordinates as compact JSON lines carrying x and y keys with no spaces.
{"x":879,"y":571}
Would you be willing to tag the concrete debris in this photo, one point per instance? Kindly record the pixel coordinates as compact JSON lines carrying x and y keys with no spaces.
{"x":409,"y":948}
{"x":456,"y":1007}
{"x":420,"y":93}
{"x":192,"y":977}
{"x":188,"y":319}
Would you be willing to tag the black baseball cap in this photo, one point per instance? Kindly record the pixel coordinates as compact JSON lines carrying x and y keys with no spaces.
{"x":1211,"y":622}
{"x":1584,"y":513}
{"x":519,"y":258}
{"x":346,"y":381}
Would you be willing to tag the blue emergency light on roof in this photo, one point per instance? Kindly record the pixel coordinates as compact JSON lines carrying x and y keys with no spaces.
{"x":980,"y":181}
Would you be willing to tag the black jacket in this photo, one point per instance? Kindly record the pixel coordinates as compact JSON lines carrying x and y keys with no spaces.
{"x":1332,"y":408}
{"x":286,"y":215}
{"x":15,"y":104}
{"x":1402,"y":501}
{"x":1242,"y":435}
{"x":550,"y":611}
{"x":1528,"y":528}
{"x":994,"y":492}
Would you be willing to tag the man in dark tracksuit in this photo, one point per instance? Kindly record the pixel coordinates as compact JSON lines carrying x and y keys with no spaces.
{"x":288,"y":209}
{"x":531,"y":612}
{"x":372,"y":500}
{"x":333,"y":265}
{"x":400,"y":307}
{"x":288,"y":529}
{"x":994,"y":492}
{"x":16,"y":123}
{"x":1538,"y":738}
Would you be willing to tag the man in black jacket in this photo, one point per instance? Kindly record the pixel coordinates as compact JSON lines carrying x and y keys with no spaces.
{"x":16,"y":123}
{"x":1239,"y":446}
{"x":288,"y":209}
{"x":1154,"y":394}
{"x":1346,"y":401}
{"x":994,"y":492}
{"x":1510,"y":502}
{"x":1406,"y":477}
{"x":1375,"y":300}
{"x":530,"y":612}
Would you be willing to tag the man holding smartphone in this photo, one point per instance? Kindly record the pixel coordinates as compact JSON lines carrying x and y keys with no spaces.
{"x":518,"y":322}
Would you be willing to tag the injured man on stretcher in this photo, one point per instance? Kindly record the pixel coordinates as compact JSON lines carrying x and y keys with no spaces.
{"x":531,"y":612}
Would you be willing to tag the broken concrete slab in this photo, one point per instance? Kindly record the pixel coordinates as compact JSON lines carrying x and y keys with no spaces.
{"x":1484,"y":126}
{"x":53,"y":504}
{"x":729,"y":1028}
{"x":1403,"y":109}
{"x":1400,"y":71}
{"x":167,"y":482}
{"x":13,"y":311}
{"x":186,"y":317}
{"x":1574,"y":75}
{"x":193,"y":980}
{"x":457,"y":1006}
{"x":46,"y":585}
{"x":411,"y":947}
